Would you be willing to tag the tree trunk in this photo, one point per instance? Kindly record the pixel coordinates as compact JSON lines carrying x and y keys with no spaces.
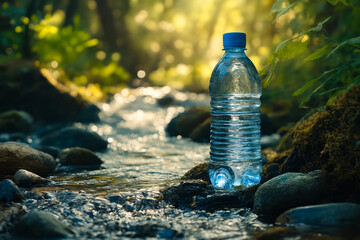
{"x":26,"y":50}
{"x":107,"y":22}
{"x":70,"y":12}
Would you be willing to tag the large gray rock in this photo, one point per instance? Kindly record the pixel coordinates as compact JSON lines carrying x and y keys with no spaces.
{"x":15,"y":156}
{"x":331,"y":214}
{"x":10,"y":192}
{"x":15,"y":121}
{"x":78,"y":156}
{"x":40,"y":224}
{"x":287,"y":191}
{"x":24,"y":178}
{"x":69,"y":137}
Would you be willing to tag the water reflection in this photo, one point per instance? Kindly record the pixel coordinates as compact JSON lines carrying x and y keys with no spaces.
{"x":140,"y":155}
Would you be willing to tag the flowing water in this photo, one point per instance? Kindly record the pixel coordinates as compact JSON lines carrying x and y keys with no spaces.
{"x":118,"y":199}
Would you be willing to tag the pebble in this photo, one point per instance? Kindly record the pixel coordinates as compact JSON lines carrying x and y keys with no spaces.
{"x":78,"y":156}
{"x":15,"y":156}
{"x":41,"y":224}
{"x":10,"y":192}
{"x":24,"y":178}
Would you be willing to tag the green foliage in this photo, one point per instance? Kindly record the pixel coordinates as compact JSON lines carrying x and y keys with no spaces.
{"x":335,"y":60}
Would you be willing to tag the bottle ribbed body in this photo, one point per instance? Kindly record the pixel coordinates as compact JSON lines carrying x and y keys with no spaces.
{"x":235,"y":152}
{"x":235,"y":149}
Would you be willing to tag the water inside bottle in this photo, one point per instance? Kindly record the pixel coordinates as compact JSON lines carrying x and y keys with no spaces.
{"x":235,"y":152}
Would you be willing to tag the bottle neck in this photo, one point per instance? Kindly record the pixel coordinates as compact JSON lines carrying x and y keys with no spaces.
{"x":235,"y":51}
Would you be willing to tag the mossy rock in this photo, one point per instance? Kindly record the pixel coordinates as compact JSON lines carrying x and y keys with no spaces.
{"x":200,"y":171}
{"x":330,"y":140}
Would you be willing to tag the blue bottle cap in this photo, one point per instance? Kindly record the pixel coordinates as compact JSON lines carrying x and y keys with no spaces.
{"x":234,"y":39}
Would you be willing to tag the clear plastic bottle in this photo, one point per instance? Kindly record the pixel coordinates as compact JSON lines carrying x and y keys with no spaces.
{"x":235,"y":90}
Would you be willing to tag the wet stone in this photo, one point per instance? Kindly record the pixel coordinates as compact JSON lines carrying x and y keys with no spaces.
{"x":15,"y":156}
{"x":40,"y":224}
{"x":69,"y":137}
{"x":331,"y":214}
{"x":78,"y":156}
{"x":166,"y":101}
{"x":198,"y":172}
{"x":24,"y":178}
{"x":49,"y":150}
{"x":15,"y":121}
{"x":10,"y":192}
{"x":287,"y":191}
{"x":197,"y":194}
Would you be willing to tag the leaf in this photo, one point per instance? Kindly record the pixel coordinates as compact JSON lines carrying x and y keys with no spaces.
{"x":92,"y":42}
{"x":351,"y":41}
{"x":318,"y":53}
{"x":283,"y":11}
{"x":290,"y":49}
{"x":271,"y":75}
{"x":334,"y":2}
{"x":305,"y":87}
{"x":318,"y":27}
{"x":269,"y":60}
{"x":277,"y":6}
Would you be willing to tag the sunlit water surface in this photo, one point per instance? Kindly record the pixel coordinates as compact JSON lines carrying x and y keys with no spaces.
{"x":140,"y":155}
{"x":141,"y":159}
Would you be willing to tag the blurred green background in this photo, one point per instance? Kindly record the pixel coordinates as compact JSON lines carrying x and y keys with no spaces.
{"x":306,"y":51}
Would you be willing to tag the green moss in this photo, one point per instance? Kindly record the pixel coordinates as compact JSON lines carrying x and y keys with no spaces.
{"x":198,"y":172}
{"x":328,"y":141}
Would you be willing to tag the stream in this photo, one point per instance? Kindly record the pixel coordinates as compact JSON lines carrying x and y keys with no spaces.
{"x":118,"y":200}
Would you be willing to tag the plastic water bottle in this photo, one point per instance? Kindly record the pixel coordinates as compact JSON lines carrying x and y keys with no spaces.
{"x":235,"y":90}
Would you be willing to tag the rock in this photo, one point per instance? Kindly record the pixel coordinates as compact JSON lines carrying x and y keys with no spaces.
{"x":329,"y":140}
{"x":90,"y":113}
{"x":25,"y":87}
{"x":182,"y":195}
{"x":276,"y":232}
{"x":201,"y":133}
{"x":49,"y":150}
{"x":78,"y":156}
{"x":24,"y":178}
{"x":13,"y":137}
{"x":15,"y":121}
{"x":197,"y":194}
{"x":166,"y":101}
{"x":40,"y":224}
{"x":225,"y":199}
{"x":200,"y":171}
{"x":10,"y":192}
{"x":69,"y":137}
{"x":15,"y":156}
{"x":287,"y":191}
{"x":184,"y":123}
{"x":325,"y":215}
{"x":270,"y":171}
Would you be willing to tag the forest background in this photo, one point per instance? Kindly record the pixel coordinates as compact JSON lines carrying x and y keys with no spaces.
{"x":306,"y":51}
